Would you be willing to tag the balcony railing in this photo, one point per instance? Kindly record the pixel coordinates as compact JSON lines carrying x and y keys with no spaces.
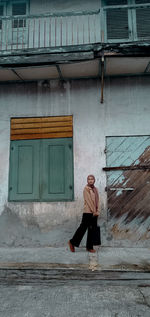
{"x":110,"y":24}
{"x":43,"y":31}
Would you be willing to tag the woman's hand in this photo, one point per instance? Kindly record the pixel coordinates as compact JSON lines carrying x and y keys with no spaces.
{"x":95,"y":213}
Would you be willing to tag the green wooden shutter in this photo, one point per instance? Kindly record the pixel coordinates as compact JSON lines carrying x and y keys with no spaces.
{"x":143,"y":22}
{"x":1,"y":14}
{"x":24,"y":170}
{"x":57,"y":170}
{"x":117,"y":24}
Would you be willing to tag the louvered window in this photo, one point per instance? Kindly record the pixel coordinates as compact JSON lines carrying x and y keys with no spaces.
{"x":117,"y":20}
{"x":117,"y":24}
{"x":143,"y":20}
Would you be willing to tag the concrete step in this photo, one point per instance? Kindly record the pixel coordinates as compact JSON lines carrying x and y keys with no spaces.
{"x":50,"y":258}
{"x":26,"y":273}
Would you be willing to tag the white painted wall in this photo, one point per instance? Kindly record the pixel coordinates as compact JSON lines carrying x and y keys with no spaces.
{"x":125,"y":111}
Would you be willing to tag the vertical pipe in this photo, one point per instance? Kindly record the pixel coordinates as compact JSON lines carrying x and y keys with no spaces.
{"x":72,"y":30}
{"x":17,"y":32}
{"x":49,"y":32}
{"x":89,"y":28}
{"x":102,"y":79}
{"x":23,"y":34}
{"x":77,"y":30}
{"x":95,"y":29}
{"x":28,"y":33}
{"x":83,"y":30}
{"x":55,"y":31}
{"x":34,"y":33}
{"x":12,"y":35}
{"x":61,"y":34}
{"x":7,"y":30}
{"x":66,"y":31}
{"x":39,"y":32}
{"x":44,"y":33}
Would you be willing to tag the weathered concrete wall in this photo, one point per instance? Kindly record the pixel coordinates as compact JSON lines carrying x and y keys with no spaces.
{"x":125,"y":111}
{"x":37,"y":7}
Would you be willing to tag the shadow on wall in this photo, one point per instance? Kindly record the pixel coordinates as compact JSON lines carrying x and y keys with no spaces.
{"x":13,"y":233}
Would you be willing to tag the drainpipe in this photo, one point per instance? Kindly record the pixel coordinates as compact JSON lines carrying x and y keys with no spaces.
{"x":102,"y":79}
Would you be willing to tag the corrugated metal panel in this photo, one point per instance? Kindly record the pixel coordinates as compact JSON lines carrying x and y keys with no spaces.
{"x":128,"y":188}
{"x":41,"y":128}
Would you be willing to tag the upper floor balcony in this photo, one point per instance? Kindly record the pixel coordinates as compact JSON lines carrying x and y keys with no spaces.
{"x":125,"y":22}
{"x":94,"y":39}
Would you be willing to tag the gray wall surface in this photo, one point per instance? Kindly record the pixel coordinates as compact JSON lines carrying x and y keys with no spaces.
{"x":46,"y":6}
{"x":125,"y":111}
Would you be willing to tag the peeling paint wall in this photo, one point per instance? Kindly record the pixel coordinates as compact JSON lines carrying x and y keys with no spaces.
{"x":125,"y":111}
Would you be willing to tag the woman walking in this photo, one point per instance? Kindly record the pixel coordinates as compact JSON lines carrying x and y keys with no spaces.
{"x":89,"y":218}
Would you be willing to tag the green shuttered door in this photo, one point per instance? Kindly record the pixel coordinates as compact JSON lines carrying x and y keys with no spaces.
{"x":57,"y":183}
{"x":24,"y":170}
{"x":41,"y":170}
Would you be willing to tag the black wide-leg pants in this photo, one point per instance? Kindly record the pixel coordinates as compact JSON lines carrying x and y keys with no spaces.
{"x":88,"y":222}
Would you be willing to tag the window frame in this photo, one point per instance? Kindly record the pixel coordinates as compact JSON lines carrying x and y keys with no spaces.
{"x":132,"y":21}
{"x":130,"y":26}
{"x":38,"y":195}
{"x":11,"y":2}
{"x":17,"y":35}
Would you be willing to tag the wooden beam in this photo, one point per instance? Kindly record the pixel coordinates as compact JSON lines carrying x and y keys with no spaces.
{"x":125,"y":168}
{"x":40,"y":130}
{"x":45,"y":58}
{"x":42,"y":136}
{"x":41,"y":119}
{"x":42,"y":125}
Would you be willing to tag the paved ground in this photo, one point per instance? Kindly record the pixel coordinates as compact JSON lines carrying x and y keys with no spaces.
{"x":53,"y":282}
{"x":74,"y":299}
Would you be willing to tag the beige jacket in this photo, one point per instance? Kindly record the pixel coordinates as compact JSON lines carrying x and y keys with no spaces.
{"x":89,"y":201}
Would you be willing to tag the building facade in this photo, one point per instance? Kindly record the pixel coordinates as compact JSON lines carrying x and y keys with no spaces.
{"x":74,"y":100}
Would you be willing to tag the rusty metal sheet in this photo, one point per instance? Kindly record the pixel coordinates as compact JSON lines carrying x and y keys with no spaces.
{"x":128,"y":189}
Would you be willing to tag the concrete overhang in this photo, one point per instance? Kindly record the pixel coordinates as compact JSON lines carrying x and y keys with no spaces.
{"x":113,"y":66}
